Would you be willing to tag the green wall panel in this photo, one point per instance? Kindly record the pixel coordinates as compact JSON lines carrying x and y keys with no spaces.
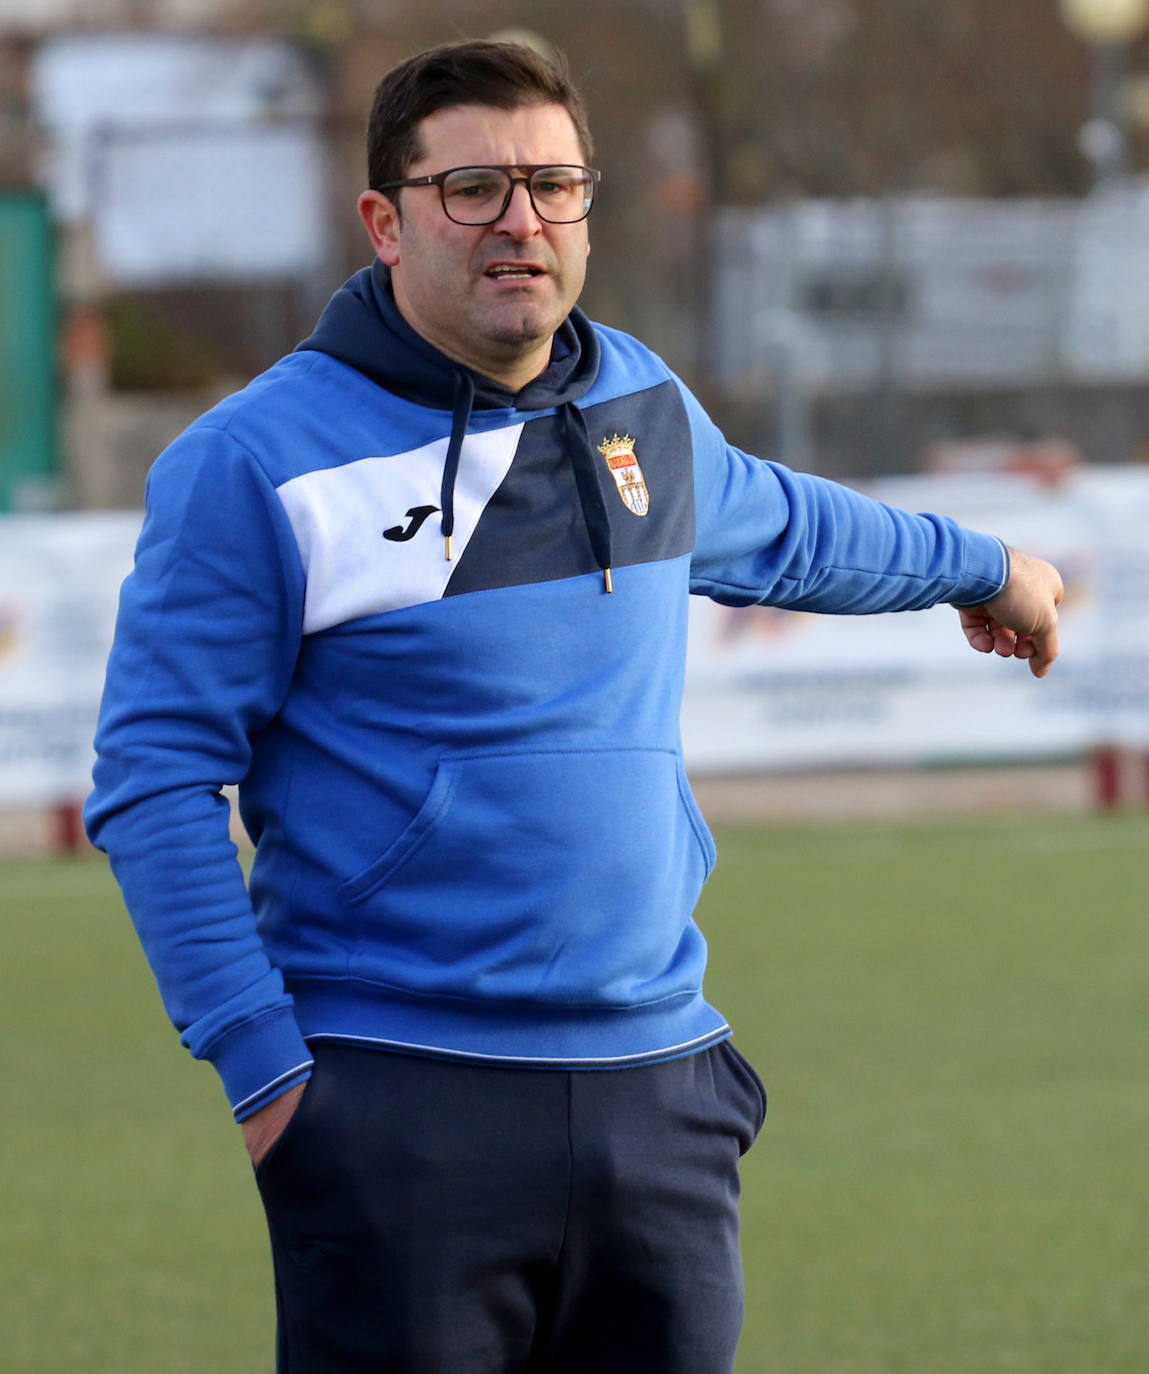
{"x":28,"y":451}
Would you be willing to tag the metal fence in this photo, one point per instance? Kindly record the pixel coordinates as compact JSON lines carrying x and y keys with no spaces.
{"x":938,"y":291}
{"x":893,"y":322}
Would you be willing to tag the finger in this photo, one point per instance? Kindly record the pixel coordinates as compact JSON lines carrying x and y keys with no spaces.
{"x":975,"y":627}
{"x":1046,"y":646}
{"x":1004,"y":640}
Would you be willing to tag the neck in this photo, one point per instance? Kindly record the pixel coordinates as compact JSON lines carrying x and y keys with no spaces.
{"x":514,"y":371}
{"x":512,"y":365}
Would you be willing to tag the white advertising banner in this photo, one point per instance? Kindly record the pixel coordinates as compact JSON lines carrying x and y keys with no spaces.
{"x":769,"y":689}
{"x":59,"y":586}
{"x":765,"y":689}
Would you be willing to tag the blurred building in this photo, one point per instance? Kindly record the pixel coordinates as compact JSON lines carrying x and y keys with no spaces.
{"x":202,"y":162}
{"x":200,"y":159}
{"x":867,"y":331}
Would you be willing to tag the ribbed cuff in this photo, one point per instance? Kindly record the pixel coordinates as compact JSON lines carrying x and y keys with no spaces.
{"x":261,"y":1059}
{"x":985,"y":569}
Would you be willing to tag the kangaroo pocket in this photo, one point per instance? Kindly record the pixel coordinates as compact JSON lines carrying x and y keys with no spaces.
{"x":564,"y":877}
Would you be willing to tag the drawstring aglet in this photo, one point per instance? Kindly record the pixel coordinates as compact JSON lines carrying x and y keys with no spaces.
{"x":448,"y":547}
{"x":606,"y":578}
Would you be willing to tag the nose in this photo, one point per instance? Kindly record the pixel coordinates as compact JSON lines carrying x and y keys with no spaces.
{"x":519,"y":219}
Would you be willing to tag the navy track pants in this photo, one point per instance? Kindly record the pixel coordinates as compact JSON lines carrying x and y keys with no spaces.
{"x":434,"y":1217}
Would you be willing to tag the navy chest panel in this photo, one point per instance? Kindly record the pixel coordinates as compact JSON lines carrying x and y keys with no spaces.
{"x":532,"y":528}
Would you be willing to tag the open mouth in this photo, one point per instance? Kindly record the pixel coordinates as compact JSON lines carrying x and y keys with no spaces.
{"x":510,"y":271}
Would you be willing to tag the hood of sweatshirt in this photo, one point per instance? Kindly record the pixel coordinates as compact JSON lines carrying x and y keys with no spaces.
{"x":363,"y":327}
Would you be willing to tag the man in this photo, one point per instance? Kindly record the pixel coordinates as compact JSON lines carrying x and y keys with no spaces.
{"x":421,"y":590}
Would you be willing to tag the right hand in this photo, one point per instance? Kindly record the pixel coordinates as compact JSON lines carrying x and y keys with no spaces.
{"x":263,"y":1128}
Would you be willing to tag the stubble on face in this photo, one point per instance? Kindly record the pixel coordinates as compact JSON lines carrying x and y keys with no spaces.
{"x":442,"y":274}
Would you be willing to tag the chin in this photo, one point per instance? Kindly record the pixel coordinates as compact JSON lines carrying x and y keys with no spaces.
{"x":530,"y":328}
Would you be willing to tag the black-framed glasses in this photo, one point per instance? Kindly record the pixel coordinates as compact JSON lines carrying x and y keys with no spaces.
{"x":560,"y":194}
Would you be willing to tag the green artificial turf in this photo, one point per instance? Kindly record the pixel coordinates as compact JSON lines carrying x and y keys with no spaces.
{"x":952,"y":1027}
{"x":951,"y":1023}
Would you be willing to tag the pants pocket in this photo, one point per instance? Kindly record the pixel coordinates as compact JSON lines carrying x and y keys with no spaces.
{"x":750,"y":1084}
{"x":285,"y":1143}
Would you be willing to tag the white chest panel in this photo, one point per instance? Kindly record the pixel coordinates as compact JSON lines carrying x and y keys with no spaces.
{"x":339,"y":515}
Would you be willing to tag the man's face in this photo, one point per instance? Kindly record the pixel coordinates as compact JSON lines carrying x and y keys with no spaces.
{"x":446,"y":275}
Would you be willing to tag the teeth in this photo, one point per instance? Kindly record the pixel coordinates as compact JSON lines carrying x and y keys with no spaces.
{"x":511,"y":272}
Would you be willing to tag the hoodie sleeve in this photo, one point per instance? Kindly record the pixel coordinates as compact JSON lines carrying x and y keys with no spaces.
{"x":206,"y":642}
{"x":767,"y":535}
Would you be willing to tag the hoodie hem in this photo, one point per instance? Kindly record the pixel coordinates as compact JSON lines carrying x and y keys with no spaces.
{"x":533,"y":1036}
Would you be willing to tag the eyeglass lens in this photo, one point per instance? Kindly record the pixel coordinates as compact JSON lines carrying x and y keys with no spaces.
{"x":479,"y":195}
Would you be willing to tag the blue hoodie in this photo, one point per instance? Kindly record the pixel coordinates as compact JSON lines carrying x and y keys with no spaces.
{"x":462,"y":774}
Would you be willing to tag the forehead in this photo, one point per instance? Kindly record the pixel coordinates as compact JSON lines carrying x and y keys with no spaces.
{"x":529,"y":134}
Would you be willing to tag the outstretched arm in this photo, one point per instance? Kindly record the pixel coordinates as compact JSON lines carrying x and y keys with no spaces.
{"x":1021,"y":620}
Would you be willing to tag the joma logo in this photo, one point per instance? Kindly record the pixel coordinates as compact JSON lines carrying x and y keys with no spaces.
{"x":400,"y":533}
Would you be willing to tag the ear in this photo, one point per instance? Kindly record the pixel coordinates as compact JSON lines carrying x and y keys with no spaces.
{"x":380,"y":218}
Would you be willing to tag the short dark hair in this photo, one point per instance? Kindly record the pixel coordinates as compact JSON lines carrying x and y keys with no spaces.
{"x":504,"y":75}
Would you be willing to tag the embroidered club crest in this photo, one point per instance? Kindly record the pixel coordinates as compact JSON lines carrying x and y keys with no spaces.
{"x":618,"y":451}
